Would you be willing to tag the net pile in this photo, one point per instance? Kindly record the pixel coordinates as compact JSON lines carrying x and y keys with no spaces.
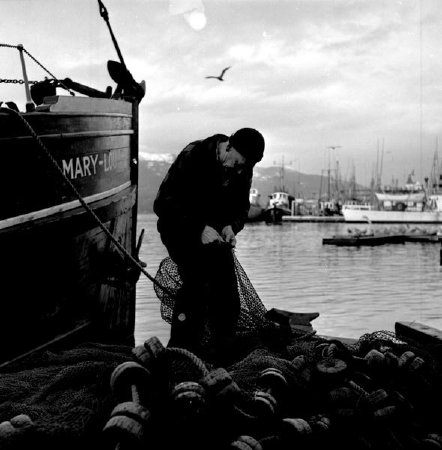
{"x":305,"y":392}
{"x":65,"y":394}
{"x":279,"y":390}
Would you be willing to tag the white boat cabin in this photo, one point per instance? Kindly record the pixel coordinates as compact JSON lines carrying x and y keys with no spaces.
{"x":280,"y":199}
{"x":408,"y":197}
{"x":401,"y":201}
{"x":354,"y":205}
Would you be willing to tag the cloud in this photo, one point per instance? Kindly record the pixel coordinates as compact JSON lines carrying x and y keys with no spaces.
{"x":308,"y":73}
{"x":192,"y":11}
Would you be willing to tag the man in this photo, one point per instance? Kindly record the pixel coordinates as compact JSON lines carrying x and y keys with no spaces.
{"x":202,"y":205}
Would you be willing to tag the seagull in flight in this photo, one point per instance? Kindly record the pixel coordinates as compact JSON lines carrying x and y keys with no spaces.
{"x":220,"y":77}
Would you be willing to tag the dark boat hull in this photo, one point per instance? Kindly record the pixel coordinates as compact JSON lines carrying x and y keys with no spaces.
{"x":61,"y":274}
{"x":275,"y":214}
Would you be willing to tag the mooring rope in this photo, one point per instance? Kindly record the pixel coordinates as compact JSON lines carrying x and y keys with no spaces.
{"x":117,"y":244}
{"x":124,"y":253}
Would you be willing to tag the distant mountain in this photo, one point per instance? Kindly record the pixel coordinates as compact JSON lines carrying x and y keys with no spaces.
{"x":153,"y":169}
{"x":270,"y":179}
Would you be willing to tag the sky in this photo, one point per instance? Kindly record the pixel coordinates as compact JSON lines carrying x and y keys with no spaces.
{"x":348,"y":84}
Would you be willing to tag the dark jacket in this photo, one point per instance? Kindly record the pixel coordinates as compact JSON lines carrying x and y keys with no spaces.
{"x":192,"y":195}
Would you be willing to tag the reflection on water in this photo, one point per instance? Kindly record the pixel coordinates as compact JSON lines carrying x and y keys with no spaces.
{"x":356,"y":290}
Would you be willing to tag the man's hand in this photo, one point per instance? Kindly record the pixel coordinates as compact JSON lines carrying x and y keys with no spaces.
{"x":210,"y":236}
{"x":228,"y":235}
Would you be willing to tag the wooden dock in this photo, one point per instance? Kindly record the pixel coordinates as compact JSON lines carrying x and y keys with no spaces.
{"x":420,"y":333}
{"x":364,"y":239}
{"x":332,"y":219}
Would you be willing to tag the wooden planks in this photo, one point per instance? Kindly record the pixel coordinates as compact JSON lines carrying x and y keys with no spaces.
{"x":418,"y":332}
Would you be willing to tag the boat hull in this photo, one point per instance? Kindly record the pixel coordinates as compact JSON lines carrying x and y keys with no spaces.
{"x":62,"y":274}
{"x":274,"y":214}
{"x":374,"y":216}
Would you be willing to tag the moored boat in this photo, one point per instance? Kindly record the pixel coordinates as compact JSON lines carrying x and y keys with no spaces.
{"x":280,"y":201}
{"x":411,"y":203}
{"x":69,"y":214}
{"x":432,"y":213}
{"x":355,"y":205}
{"x":280,"y":205}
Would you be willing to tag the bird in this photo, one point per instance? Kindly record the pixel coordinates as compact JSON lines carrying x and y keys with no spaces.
{"x":220,"y":77}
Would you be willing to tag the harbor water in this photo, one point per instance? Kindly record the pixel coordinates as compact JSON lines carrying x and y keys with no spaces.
{"x":356,"y":290}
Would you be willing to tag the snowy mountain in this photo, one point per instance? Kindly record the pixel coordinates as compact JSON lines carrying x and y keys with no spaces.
{"x":157,"y":157}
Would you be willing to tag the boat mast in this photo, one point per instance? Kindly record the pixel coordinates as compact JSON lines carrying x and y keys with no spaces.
{"x":330,"y":147}
{"x":381,"y":166}
{"x":281,"y":176}
{"x":337,"y":182}
{"x":434,"y":183}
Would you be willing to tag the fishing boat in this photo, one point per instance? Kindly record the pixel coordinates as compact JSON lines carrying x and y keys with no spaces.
{"x":256,"y":210}
{"x":68,"y":234}
{"x":280,"y":200}
{"x":68,"y":220}
{"x":411,"y":203}
{"x":280,"y":205}
{"x":357,"y":205}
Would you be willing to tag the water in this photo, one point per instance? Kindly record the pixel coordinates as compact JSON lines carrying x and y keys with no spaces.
{"x":356,"y":290}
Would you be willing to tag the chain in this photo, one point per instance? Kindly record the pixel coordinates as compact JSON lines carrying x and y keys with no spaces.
{"x":8,"y":80}
{"x":39,"y":64}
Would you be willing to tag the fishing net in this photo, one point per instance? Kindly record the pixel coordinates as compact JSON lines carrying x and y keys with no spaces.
{"x":252,"y":310}
{"x":293,"y":391}
{"x":65,"y":393}
{"x":279,"y":389}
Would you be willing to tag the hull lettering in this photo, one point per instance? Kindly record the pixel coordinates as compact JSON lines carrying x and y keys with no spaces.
{"x":88,"y":165}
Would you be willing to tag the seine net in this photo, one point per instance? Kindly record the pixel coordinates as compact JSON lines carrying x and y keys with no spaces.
{"x":375,"y":393}
{"x":252,"y":313}
{"x":68,"y":397}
